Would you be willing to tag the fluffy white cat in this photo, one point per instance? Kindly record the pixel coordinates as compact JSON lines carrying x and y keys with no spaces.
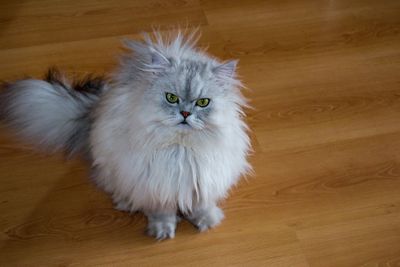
{"x":165,"y":136}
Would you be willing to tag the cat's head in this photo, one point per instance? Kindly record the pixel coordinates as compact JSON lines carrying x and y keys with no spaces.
{"x":185,"y":90}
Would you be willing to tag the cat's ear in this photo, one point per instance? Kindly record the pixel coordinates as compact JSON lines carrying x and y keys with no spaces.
{"x":226,"y":70}
{"x":149,"y":59}
{"x":158,"y":62}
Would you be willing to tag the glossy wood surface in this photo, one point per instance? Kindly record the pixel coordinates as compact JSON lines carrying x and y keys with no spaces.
{"x":324,"y":79}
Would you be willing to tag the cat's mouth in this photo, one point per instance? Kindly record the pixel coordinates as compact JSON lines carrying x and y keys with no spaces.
{"x":184,"y":125}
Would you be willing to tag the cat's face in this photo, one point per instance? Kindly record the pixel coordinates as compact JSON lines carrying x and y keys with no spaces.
{"x":188,"y":96}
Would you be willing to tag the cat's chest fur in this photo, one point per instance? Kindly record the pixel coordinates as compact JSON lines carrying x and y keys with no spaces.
{"x":172,"y":175}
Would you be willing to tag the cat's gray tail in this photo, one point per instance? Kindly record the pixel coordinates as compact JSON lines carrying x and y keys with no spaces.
{"x":53,"y":114}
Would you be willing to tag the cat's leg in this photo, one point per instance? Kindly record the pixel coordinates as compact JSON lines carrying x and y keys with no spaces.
{"x":205,"y":217}
{"x":162,"y":225}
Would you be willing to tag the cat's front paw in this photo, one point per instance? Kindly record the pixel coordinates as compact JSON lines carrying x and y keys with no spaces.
{"x":206,"y":218}
{"x":161,"y":230}
{"x":162,"y":226}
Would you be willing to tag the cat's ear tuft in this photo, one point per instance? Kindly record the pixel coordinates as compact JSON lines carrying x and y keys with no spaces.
{"x":227,"y":69}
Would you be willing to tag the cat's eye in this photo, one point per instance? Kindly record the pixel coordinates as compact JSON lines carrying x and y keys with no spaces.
{"x":203,"y":102}
{"x":171,"y":98}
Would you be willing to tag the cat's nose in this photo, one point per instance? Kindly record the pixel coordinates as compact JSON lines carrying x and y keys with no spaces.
{"x":185,"y":114}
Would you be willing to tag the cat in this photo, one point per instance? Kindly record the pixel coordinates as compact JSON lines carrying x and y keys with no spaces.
{"x":165,"y":134}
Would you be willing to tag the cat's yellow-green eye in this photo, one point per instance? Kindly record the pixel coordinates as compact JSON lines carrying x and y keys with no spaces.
{"x":203,"y":102}
{"x":171,"y":98}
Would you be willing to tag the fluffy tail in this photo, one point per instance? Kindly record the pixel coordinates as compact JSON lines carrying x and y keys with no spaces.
{"x":52,"y":113}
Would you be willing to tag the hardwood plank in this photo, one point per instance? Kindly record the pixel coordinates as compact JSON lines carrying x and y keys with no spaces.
{"x":41,"y":22}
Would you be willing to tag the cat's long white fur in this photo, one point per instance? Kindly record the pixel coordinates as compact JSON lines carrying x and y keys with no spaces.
{"x":138,"y":154}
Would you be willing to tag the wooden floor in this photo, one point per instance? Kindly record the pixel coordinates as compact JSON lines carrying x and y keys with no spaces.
{"x":324,"y":78}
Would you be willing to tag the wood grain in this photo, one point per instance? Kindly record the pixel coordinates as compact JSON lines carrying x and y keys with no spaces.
{"x":324,"y":80}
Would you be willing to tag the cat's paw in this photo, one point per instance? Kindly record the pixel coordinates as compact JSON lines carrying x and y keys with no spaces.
{"x":206,"y":218}
{"x":162,"y":226}
{"x":161,"y":230}
{"x":122,"y":206}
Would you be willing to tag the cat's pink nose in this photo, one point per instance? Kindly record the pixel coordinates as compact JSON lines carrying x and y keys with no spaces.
{"x":185,"y":114}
